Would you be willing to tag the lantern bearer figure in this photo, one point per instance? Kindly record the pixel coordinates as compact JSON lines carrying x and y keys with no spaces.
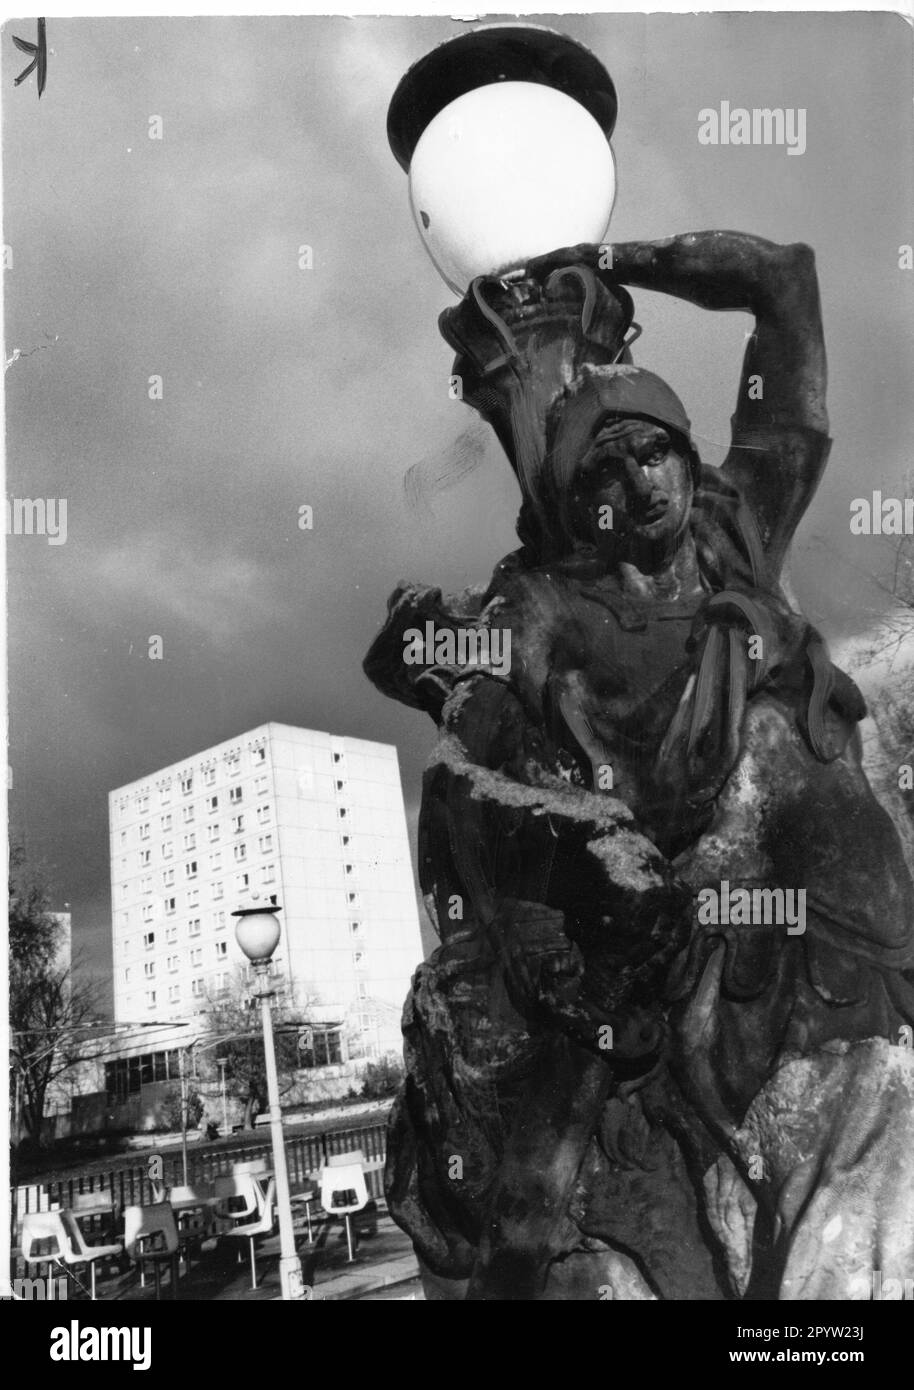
{"x":651,"y":1098}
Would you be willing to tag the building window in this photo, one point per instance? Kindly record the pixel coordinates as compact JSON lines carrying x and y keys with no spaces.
{"x":142,"y":805}
{"x":241,"y":853}
{"x":213,"y":834}
{"x":261,"y":784}
{"x":212,"y":804}
{"x":235,"y":795}
{"x":266,"y":844}
{"x":221,"y":980}
{"x":190,"y":869}
{"x":149,"y":969}
{"x":323,"y":1048}
{"x":217,"y":891}
{"x":349,"y":868}
{"x":190,"y":841}
{"x":339,"y":785}
{"x":149,"y":940}
{"x":173,"y":962}
{"x":168,"y":849}
{"x":193,"y":926}
{"x":219,"y":921}
{"x":187,"y":783}
{"x":123,"y":838}
{"x":145,"y":885}
{"x":243,"y":882}
{"x":168,"y":877}
{"x":345,"y":840}
{"x":123,"y":918}
{"x":187,"y":815}
{"x":355,"y":928}
{"x":145,"y":858}
{"x":127,"y":976}
{"x":165,"y":796}
{"x":174,"y":993}
{"x":342,"y":813}
{"x":263,"y":815}
{"x":150,"y":998}
{"x":362,"y":989}
{"x":209,"y":776}
{"x":268,"y":873}
{"x":170,"y":904}
{"x":215,"y":862}
{"x":123,"y":890}
{"x":196,"y":955}
{"x":258,"y":755}
{"x":147,"y":912}
{"x":353,"y":899}
{"x":144,"y":831}
{"x":221,"y":950}
{"x":193,"y":897}
{"x":238,"y":823}
{"x":337,"y":757}
{"x":358,"y":960}
{"x":171,"y":935}
{"x":166,"y":822}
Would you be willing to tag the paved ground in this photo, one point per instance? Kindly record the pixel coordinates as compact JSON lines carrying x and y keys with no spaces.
{"x":384,"y":1269}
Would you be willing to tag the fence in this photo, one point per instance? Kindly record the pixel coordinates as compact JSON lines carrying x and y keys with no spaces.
{"x":129,"y":1183}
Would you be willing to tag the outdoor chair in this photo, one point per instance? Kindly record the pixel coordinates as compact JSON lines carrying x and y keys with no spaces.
{"x":344,"y":1190}
{"x":48,"y":1237}
{"x":151,"y":1234}
{"x":260,"y":1225}
{"x":194,"y":1216}
{"x":238,"y":1198}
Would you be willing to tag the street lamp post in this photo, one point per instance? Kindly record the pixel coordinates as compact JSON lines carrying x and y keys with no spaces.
{"x":182,"y":1060}
{"x":258,"y":934}
{"x":222,"y":1063}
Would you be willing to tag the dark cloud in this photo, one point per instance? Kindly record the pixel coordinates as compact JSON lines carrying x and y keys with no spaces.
{"x":284,"y":387}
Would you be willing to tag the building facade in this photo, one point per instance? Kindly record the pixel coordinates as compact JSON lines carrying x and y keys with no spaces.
{"x":315,"y":820}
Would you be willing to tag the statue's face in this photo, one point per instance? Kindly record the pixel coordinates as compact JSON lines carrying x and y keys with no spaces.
{"x":630,"y":493}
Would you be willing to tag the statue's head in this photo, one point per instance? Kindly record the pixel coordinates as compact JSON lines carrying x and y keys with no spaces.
{"x":621,"y":469}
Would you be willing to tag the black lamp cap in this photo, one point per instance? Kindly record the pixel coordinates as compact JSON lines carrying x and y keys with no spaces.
{"x":496,"y":53}
{"x":271,"y":906}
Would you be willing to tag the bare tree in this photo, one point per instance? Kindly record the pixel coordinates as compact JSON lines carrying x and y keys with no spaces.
{"x":49,"y":1008}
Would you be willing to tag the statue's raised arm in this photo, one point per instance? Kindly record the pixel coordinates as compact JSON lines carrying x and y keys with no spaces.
{"x":780,"y":442}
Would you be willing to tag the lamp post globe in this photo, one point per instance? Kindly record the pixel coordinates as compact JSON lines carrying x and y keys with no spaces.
{"x":504,"y":133}
{"x":257,"y":932}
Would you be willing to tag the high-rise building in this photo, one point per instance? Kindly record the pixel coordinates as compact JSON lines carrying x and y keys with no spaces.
{"x":316,"y":820}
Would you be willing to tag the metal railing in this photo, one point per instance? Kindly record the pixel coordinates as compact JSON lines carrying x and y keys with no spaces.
{"x":128,"y":1182}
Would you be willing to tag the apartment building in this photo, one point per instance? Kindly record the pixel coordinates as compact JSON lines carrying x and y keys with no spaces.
{"x":313,"y":818}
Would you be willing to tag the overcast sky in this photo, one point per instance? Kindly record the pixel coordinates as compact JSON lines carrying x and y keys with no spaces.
{"x":179,"y":257}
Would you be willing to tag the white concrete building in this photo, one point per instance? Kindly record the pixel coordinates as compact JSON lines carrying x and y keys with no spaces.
{"x":316,"y":819}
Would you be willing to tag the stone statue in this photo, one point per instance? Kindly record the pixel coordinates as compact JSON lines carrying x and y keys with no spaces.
{"x":663,"y":1050}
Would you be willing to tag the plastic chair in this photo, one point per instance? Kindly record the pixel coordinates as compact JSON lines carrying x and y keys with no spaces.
{"x":195,"y":1223}
{"x":67,"y":1244}
{"x":344,"y":1190}
{"x":84,"y":1250}
{"x":261,"y":1225}
{"x":150,"y":1233}
{"x":238,"y":1198}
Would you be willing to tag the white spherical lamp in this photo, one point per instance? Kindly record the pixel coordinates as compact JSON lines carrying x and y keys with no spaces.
{"x":257,"y":932}
{"x":505,"y":135}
